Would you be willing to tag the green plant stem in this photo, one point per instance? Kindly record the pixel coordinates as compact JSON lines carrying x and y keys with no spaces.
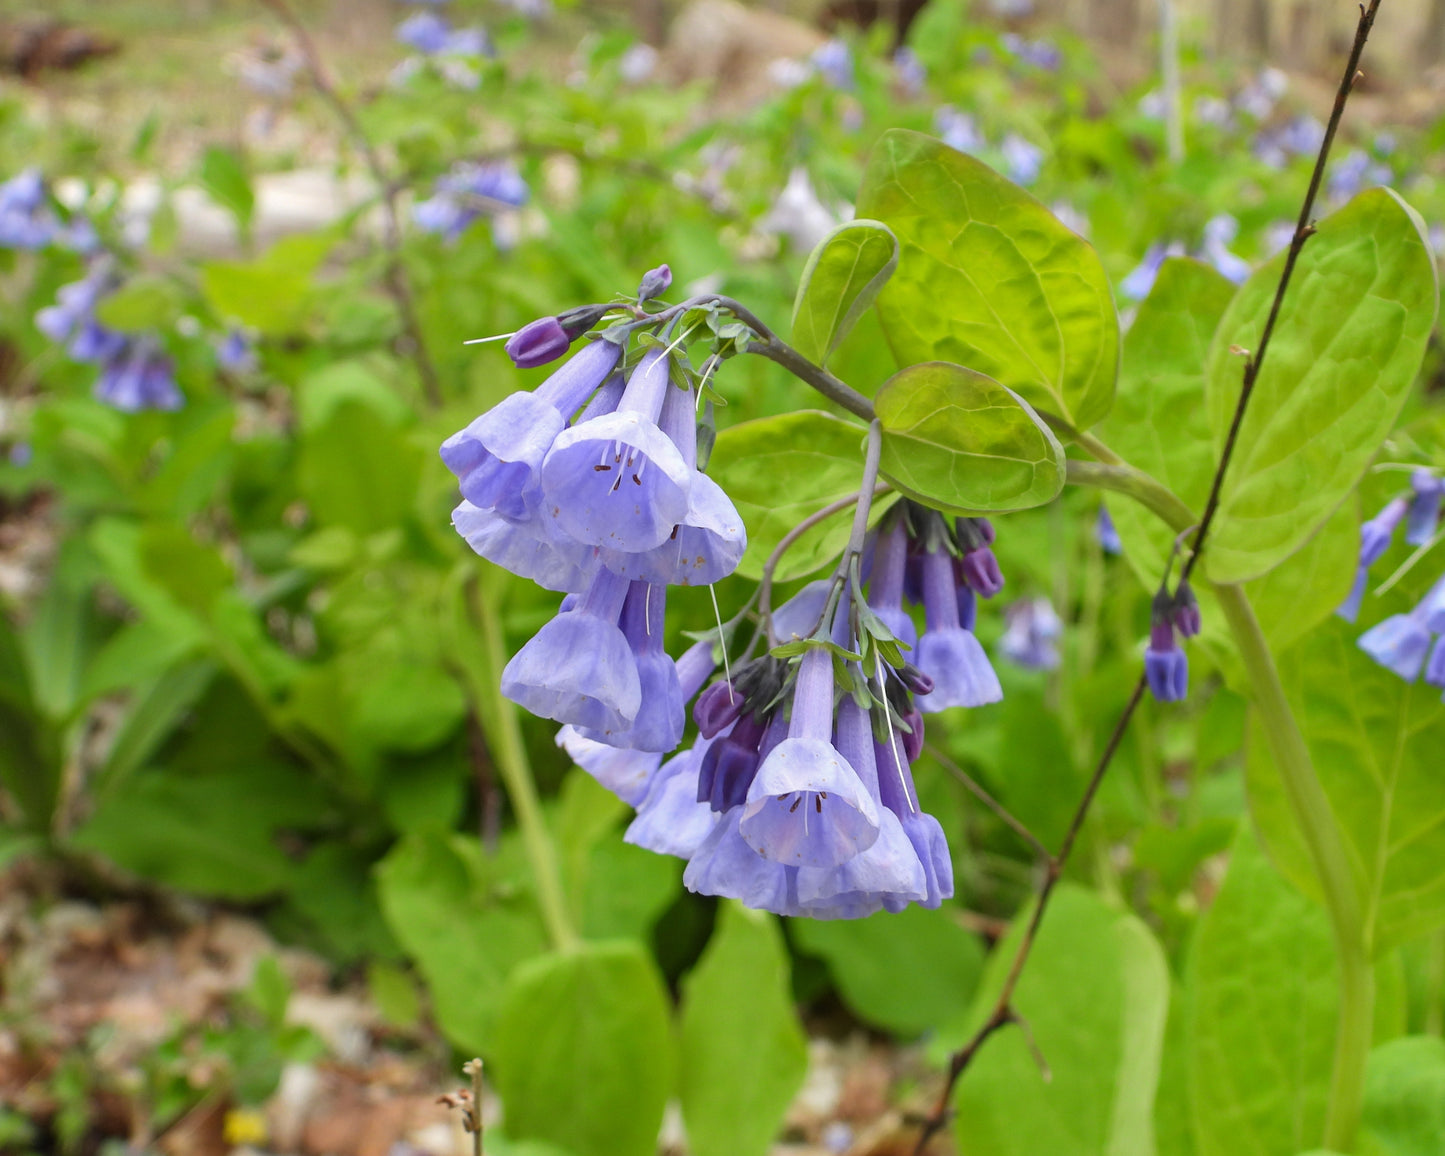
{"x":516,"y":771}
{"x":1311,"y":809}
{"x":1125,"y":479}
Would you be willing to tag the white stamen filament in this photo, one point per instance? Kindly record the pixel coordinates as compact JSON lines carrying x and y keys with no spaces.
{"x":892,"y":738}
{"x":484,"y":340}
{"x":716,"y":613}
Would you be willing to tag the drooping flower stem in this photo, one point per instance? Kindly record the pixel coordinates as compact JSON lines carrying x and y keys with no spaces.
{"x":500,"y":715}
{"x":1311,"y":809}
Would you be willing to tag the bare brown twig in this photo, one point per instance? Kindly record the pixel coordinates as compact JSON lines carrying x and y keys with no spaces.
{"x":398,"y":285}
{"x":1004,"y":1012}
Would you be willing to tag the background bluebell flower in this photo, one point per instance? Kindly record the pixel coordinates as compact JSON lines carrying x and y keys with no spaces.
{"x":1033,"y":627}
{"x":1424,"y":515}
{"x":1166,"y":667}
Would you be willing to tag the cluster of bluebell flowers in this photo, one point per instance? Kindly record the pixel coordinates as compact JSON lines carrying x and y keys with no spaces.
{"x":135,"y":372}
{"x":469,"y":191}
{"x":1405,"y":644}
{"x":797,"y":793}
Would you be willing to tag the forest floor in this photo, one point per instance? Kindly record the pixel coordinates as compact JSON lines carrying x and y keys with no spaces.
{"x":135,"y":1025}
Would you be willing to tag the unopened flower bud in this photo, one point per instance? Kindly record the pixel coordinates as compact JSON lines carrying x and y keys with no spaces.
{"x":538,"y":343}
{"x":655,"y":282}
{"x":576,"y":322}
{"x":914,"y":679}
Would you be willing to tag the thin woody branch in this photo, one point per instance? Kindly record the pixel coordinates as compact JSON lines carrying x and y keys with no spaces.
{"x":1004,"y":1012}
{"x":398,"y":285}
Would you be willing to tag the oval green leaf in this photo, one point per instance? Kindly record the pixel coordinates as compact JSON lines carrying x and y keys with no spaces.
{"x":842,"y":278}
{"x":584,"y":1051}
{"x":989,"y":278}
{"x":1375,"y":742}
{"x":1345,"y":352}
{"x":957,"y":439}
{"x":778,"y":471}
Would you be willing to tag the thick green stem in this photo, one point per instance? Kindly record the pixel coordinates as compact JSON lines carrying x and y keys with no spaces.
{"x":1311,"y":808}
{"x":505,"y":736}
{"x":1136,"y":484}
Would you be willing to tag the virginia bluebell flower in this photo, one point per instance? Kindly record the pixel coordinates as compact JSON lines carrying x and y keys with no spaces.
{"x":947,"y":651}
{"x":236,"y":353}
{"x":26,"y":219}
{"x":661,"y":714}
{"x":888,"y":869}
{"x":498,"y":458}
{"x":1375,"y":537}
{"x":799,"y":214}
{"x":617,"y":480}
{"x":834,"y":63}
{"x":1435,"y":664}
{"x":1259,"y":97}
{"x":885,"y":583}
{"x":806,"y":806}
{"x":1356,"y":172}
{"x":707,"y":545}
{"x":528,"y":547}
{"x":1039,"y":53}
{"x":957,"y":129}
{"x":1031,"y":634}
{"x":638,"y":63}
{"x":1219,"y":231}
{"x":1424,"y":514}
{"x":909,"y":71}
{"x":1140,"y":280}
{"x":623,"y":767}
{"x":1165,"y":665}
{"x":139,"y":377}
{"x":579,"y":668}
{"x":670,"y":820}
{"x":900,"y":797}
{"x":1107,"y":533}
{"x":425,"y":31}
{"x":1400,"y":642}
{"x":1022,"y":159}
{"x":468,"y":191}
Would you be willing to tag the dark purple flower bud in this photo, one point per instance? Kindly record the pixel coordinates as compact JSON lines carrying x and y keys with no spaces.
{"x":978,"y":570}
{"x":1166,"y":667}
{"x":717,"y":708}
{"x":538,"y":343}
{"x":913,"y":738}
{"x":730,"y":764}
{"x":655,"y":282}
{"x":1185,"y":614}
{"x":576,"y":322}
{"x":914,"y":679}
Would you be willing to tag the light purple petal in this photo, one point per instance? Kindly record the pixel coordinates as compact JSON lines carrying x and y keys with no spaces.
{"x":807,"y":807}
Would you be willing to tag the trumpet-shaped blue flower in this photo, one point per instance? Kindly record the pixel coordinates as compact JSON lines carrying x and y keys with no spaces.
{"x":885,"y":582}
{"x":1424,"y":513}
{"x":661,"y":715}
{"x":670,"y":820}
{"x":1166,"y":667}
{"x":528,"y":548}
{"x":1029,"y":640}
{"x":1375,"y":537}
{"x":498,"y":458}
{"x":1435,"y":665}
{"x":1401,"y":642}
{"x":707,"y":545}
{"x":618,"y":481}
{"x":807,"y":807}
{"x":889,"y":869}
{"x":1107,"y":533}
{"x":579,"y":667}
{"x":947,"y":651}
{"x":626,"y":773}
{"x":139,"y":377}
{"x":900,"y":797}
